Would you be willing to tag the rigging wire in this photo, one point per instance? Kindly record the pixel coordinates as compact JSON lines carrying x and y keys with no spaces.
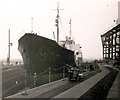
{"x":62,"y":27}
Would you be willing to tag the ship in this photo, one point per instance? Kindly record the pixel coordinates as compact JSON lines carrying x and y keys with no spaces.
{"x":40,"y":53}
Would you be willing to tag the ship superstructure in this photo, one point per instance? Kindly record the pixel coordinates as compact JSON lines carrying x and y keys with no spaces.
{"x":70,"y":44}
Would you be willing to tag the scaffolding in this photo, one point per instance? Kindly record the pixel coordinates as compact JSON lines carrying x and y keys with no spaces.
{"x":111,"y":44}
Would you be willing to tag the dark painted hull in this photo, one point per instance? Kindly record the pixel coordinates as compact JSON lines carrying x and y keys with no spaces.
{"x":40,"y":53}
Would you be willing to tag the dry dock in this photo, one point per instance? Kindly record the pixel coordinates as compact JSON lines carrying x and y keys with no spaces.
{"x":75,"y":92}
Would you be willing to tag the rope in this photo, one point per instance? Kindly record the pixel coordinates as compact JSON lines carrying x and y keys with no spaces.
{"x":40,"y":73}
{"x":46,"y":71}
{"x":58,"y":68}
{"x":62,"y":26}
{"x":35,"y":77}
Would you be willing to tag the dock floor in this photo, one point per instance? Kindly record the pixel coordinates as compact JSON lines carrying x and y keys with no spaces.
{"x":74,"y":92}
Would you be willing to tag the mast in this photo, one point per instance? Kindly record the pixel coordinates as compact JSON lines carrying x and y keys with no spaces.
{"x":70,"y":28}
{"x":9,"y":44}
{"x":57,"y":23}
{"x":32,"y":25}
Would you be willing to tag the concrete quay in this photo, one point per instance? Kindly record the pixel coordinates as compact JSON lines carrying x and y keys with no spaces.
{"x":78,"y":90}
{"x":32,"y":93}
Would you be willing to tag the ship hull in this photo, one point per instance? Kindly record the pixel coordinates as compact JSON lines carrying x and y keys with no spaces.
{"x":40,"y":53}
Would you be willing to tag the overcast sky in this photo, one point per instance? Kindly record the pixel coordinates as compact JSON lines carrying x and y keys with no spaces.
{"x":90,"y":19}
